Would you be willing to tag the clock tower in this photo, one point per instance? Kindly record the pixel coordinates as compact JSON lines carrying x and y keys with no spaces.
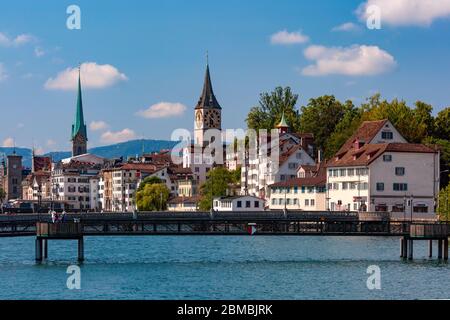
{"x":208,"y":113}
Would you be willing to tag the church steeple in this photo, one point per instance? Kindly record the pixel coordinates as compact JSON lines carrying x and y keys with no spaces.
{"x":79,"y":131}
{"x":207,"y":99}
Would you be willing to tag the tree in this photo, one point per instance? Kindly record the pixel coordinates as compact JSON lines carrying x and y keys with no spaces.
{"x":152,"y":197}
{"x":271,"y":107}
{"x":444,"y":204}
{"x":2,"y":198}
{"x":442,"y":124}
{"x":321,"y":116}
{"x":216,"y":185}
{"x":149,"y":180}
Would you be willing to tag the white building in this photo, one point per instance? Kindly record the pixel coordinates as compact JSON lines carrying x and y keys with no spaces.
{"x":377,"y":170}
{"x":302,"y":193}
{"x":77,"y":184}
{"x":238,"y":204}
{"x":260,"y":171}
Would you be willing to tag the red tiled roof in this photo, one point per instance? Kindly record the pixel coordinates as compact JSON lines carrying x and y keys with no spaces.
{"x":370,"y":152}
{"x":42,"y":163}
{"x":366,"y":132}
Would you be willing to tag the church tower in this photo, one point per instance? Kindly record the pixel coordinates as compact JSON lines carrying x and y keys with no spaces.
{"x":208,"y":113}
{"x":79,"y":132}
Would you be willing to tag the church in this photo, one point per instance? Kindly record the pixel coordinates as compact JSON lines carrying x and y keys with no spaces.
{"x":201,"y":156}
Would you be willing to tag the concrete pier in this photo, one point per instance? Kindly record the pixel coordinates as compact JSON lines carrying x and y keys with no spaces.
{"x":440,"y":249}
{"x":411,"y":249}
{"x":430,"y":249}
{"x":81,"y":249}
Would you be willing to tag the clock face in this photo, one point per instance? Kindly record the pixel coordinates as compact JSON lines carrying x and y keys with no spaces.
{"x":212,"y":118}
{"x":199,"y":119}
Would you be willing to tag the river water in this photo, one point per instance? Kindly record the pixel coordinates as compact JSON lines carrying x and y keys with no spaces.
{"x":202,"y":267}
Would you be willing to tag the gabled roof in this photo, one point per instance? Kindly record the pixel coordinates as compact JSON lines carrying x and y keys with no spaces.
{"x":366,"y":132}
{"x":370,"y":152}
{"x":208,"y":99}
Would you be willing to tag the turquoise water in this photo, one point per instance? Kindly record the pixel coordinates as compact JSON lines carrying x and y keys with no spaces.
{"x":221,"y":268}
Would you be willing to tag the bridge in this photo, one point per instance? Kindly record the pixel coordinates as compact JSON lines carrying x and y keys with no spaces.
{"x":265,"y":223}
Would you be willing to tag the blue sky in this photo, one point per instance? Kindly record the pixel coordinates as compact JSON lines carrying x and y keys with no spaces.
{"x":152,"y":53}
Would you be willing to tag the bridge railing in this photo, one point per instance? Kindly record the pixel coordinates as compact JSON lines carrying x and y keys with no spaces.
{"x":58,"y":230}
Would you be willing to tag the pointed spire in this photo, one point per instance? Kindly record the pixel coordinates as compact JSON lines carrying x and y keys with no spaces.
{"x":207,"y":99}
{"x":79,"y":126}
{"x":283,"y":123}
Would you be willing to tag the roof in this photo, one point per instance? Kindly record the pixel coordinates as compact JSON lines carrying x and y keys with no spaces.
{"x":41,"y":164}
{"x":366,"y":132}
{"x":370,"y":152}
{"x":283,"y":123}
{"x":79,"y":126}
{"x":238,"y":197}
{"x":298,"y":182}
{"x":207,"y":99}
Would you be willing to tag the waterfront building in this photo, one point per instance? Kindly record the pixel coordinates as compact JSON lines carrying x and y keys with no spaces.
{"x":306,"y":193}
{"x":37,"y":185}
{"x":238,"y":204}
{"x":377,"y":170}
{"x":259,"y":170}
{"x":12,"y":174}
{"x":183,"y":204}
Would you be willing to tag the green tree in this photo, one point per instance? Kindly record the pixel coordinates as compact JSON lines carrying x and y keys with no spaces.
{"x":442,"y":124}
{"x":321,"y":116}
{"x":444,"y":204}
{"x":216,"y":185}
{"x":153,"y":197}
{"x":149,"y":180}
{"x":271,"y":107}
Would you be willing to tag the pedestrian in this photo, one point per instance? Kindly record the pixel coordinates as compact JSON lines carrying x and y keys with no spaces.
{"x":63,"y":216}
{"x":53,"y":216}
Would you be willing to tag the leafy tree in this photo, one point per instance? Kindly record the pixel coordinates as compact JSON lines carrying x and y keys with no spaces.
{"x":321,"y":116}
{"x":216,"y":185}
{"x":271,"y":106}
{"x":444,"y":204}
{"x":442,"y":124}
{"x":152,"y":197}
{"x":149,"y":180}
{"x":444,"y":148}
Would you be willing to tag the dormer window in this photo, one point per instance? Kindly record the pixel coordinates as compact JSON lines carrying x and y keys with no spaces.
{"x":387,"y":135}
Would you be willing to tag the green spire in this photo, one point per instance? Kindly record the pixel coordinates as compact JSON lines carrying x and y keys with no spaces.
{"x":283,"y":123}
{"x":79,"y":127}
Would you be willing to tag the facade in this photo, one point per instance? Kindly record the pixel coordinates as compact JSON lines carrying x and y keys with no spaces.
{"x":260,"y":171}
{"x":238,"y":204}
{"x":378,"y":171}
{"x":183,"y":204}
{"x":12,"y":175}
{"x":308,"y":194}
{"x":76,"y":184}
{"x":37,"y":185}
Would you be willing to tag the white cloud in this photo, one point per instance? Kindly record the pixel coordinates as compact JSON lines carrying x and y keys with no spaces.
{"x":3,"y":74}
{"x":119,"y":136}
{"x":357,"y":60}
{"x":163,"y":110}
{"x":8,"y":143}
{"x":407,"y":12}
{"x":98,"y":125}
{"x":285,"y":38}
{"x":21,"y":39}
{"x":346,"y":27}
{"x":93,"y":76}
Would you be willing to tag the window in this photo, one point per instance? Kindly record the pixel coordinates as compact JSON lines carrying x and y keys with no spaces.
{"x":313,"y":202}
{"x":248,"y":204}
{"x":295,"y":201}
{"x":197,"y":169}
{"x":380,"y":186}
{"x":336,"y":186}
{"x":295,"y":190}
{"x":288,"y":201}
{"x":387,"y":158}
{"x":256,"y":204}
{"x":306,"y":202}
{"x":292,"y":165}
{"x":274,"y":201}
{"x":280,"y":201}
{"x":342,"y":172}
{"x":239,"y":204}
{"x":335,"y":173}
{"x":351,"y":172}
{"x":400,"y":187}
{"x":420,"y":209}
{"x":387,"y":135}
{"x":298,"y":155}
{"x":399,"y":171}
{"x":344,"y":185}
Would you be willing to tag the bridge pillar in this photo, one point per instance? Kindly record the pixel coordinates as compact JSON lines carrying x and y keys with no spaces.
{"x":402,"y":247}
{"x":446,"y":249}
{"x":439,"y":249}
{"x":411,"y":249}
{"x":38,"y":249}
{"x":430,"y":249}
{"x":405,"y":248}
{"x":80,"y":249}
{"x":45,"y":248}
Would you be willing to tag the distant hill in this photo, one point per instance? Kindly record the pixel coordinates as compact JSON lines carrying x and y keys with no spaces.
{"x":125,"y":149}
